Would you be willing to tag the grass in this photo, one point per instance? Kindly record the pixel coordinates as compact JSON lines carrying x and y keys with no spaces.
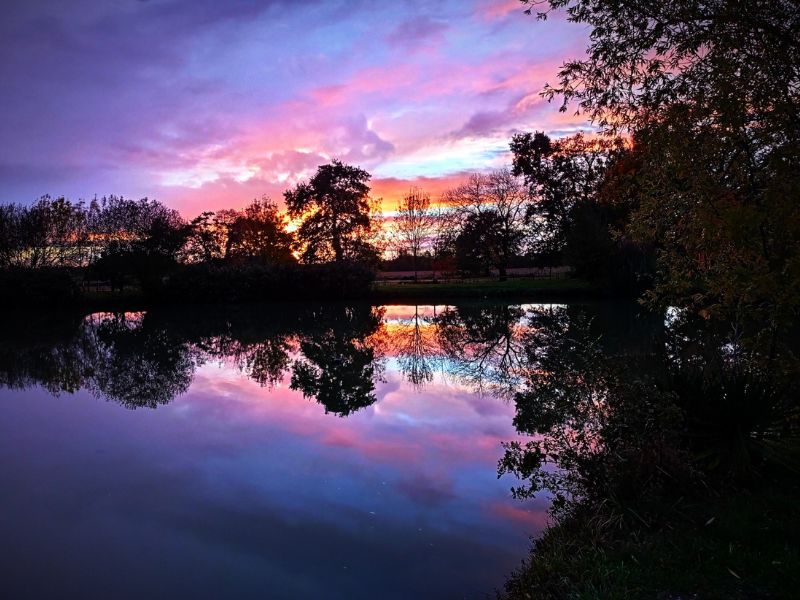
{"x":745,"y":545}
{"x":520,"y":288}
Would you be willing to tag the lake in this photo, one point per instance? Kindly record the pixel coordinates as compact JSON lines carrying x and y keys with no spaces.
{"x":263,"y":452}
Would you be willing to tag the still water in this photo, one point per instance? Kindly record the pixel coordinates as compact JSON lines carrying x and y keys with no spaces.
{"x":261,"y":452}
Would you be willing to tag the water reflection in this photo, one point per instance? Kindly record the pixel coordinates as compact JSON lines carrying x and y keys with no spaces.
{"x":245,"y":468}
{"x":483,"y":345}
{"x":684,"y":404}
{"x":332,"y":353}
{"x":148,"y":359}
{"x":245,"y":482}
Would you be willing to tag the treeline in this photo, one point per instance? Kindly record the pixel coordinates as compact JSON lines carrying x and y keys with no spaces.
{"x":559,"y":204}
{"x":548,"y":210}
{"x":56,"y":246}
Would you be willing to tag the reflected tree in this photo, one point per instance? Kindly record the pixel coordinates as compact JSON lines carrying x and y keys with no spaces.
{"x":613,"y":428}
{"x":117,"y":357}
{"x":338,"y":366}
{"x":483,"y":345}
{"x":264,"y":360}
{"x":595,"y":432}
{"x":41,"y":352}
{"x":418,"y":352}
{"x":135,"y":365}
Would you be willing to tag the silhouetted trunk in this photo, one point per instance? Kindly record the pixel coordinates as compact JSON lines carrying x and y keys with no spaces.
{"x":336,"y":242}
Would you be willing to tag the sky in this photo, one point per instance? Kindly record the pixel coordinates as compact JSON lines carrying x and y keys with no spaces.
{"x":205,"y":104}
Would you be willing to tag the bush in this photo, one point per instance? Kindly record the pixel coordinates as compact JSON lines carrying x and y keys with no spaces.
{"x":219,"y":282}
{"x":38,"y":287}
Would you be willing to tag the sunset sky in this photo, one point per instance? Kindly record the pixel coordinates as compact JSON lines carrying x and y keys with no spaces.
{"x":206,"y":104}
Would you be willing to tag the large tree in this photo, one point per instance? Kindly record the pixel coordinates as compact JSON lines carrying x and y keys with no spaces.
{"x":560,"y":174}
{"x":710,"y":93}
{"x":717,"y":55}
{"x":577,"y":214}
{"x":336,"y":214}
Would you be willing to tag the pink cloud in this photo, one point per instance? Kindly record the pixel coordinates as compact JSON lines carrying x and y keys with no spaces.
{"x":496,"y":9}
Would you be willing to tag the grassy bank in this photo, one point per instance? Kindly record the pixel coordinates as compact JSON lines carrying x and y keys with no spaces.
{"x":742,"y":545}
{"x":517,"y":288}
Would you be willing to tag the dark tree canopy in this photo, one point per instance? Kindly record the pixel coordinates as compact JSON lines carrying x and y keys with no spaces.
{"x":335,"y":212}
{"x":559,"y":174}
{"x":717,"y":55}
{"x":260,"y":232}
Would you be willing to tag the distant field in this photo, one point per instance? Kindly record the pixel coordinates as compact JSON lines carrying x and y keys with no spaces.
{"x":485,"y":288}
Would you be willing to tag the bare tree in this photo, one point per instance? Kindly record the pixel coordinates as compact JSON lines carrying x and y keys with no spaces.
{"x":500,"y":195}
{"x":417,"y":349}
{"x":414,"y":224}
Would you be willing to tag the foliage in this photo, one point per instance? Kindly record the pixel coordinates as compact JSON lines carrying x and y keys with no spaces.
{"x":717,"y":55}
{"x":560,"y":175}
{"x":260,"y":233}
{"x":336,"y":215}
{"x":737,"y":546}
{"x":50,"y":233}
{"x":482,"y":243}
{"x":573,"y":215}
{"x":207,"y":238}
{"x":724,"y":76}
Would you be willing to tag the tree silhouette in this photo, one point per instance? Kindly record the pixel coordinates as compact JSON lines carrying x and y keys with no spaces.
{"x":414,"y":223}
{"x":335,"y":212}
{"x":502,"y":196}
{"x":260,"y":232}
{"x":338,"y":367}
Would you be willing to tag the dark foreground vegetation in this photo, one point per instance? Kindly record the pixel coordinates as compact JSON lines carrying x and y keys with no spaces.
{"x":674,"y":468}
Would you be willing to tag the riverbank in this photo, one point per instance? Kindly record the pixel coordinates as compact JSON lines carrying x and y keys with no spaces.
{"x":225,"y":284}
{"x":743,"y":544}
{"x":520,"y":288}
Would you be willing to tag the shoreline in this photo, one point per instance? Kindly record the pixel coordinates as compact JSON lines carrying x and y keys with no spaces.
{"x":515,"y":289}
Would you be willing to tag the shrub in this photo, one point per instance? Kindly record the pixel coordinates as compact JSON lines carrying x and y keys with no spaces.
{"x":54,"y":287}
{"x":224,"y":282}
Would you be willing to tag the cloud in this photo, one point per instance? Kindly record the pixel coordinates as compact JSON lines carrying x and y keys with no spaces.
{"x":355,"y":141}
{"x":204,"y":103}
{"x":483,"y":122}
{"x":416,"y":33}
{"x":498,"y":9}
